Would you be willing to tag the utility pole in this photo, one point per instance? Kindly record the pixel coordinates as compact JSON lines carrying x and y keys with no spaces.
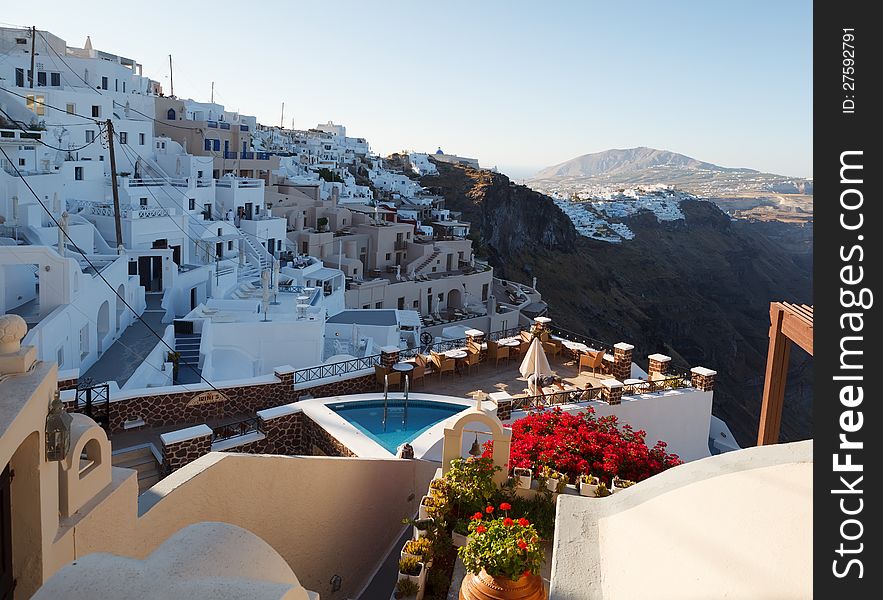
{"x":281,"y":119}
{"x":171,"y":79}
{"x":113,"y":183}
{"x":213,"y":92}
{"x":33,"y":54}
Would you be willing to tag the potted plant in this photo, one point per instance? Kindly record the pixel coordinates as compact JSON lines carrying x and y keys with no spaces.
{"x":555,"y":481}
{"x":602,"y":490}
{"x":412,"y":569}
{"x":503,"y":558}
{"x":421,"y":526}
{"x":174,"y":358}
{"x":405,"y":588}
{"x":588,"y":484}
{"x":620,"y":484}
{"x":460,"y":534}
{"x":425,"y":503}
{"x":523,"y":477}
{"x":420,"y":549}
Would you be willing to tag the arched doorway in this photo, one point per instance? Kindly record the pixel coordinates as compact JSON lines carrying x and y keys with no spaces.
{"x":103,"y":324}
{"x":121,"y":305}
{"x":170,"y":115}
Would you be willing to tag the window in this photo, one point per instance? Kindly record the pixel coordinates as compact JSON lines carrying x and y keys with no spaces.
{"x":71,"y":108}
{"x":59,"y":356}
{"x":378,"y":305}
{"x":96,"y":111}
{"x":230,"y":245}
{"x":78,"y":173}
{"x":366,"y":306}
{"x":90,"y":135}
{"x":207,"y":145}
{"x":192,"y":204}
{"x":124,"y":137}
{"x":55,"y":79}
{"x":116,"y":85}
{"x":84,"y":341}
{"x":21,"y":41}
{"x":199,"y":175}
{"x":279,"y":245}
{"x":143,"y":202}
{"x":484,"y":292}
{"x":216,"y":145}
{"x":140,"y":139}
{"x":401,"y":303}
{"x":416,"y":304}
{"x":124,"y":87}
{"x":22,"y":162}
{"x":170,"y":115}
{"x":104,"y":83}
{"x":41,"y":78}
{"x":37,"y":104}
{"x":388,"y":256}
{"x":20,"y":77}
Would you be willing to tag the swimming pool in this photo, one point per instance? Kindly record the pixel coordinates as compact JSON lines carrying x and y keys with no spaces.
{"x":367,"y":417}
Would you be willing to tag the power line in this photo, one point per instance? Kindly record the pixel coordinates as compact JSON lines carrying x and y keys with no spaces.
{"x":39,"y":141}
{"x":61,"y":110}
{"x":88,"y":85}
{"x":98,"y":271}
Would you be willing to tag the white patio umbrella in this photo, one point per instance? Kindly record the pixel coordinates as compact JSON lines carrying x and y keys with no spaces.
{"x":535,"y":363}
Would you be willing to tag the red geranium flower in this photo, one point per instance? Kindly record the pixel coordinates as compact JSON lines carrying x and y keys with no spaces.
{"x":476,"y":516}
{"x":489,"y":509}
{"x":505,"y":506}
{"x":522,"y":544}
{"x":508,"y":522}
{"x":523,"y":522}
{"x":480,"y":529}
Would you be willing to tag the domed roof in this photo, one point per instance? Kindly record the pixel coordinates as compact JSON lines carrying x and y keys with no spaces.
{"x":439,"y":151}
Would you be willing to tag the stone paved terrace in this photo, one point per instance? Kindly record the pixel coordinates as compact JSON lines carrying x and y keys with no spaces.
{"x":489,"y":378}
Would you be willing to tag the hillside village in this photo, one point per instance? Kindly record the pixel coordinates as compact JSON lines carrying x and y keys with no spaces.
{"x":240,"y":360}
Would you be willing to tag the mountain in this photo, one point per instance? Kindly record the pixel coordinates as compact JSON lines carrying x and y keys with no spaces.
{"x":697,"y":289}
{"x":741,"y":192}
{"x":628,"y":161}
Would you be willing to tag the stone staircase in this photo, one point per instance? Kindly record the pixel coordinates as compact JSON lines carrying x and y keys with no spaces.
{"x":142,"y":459}
{"x":426,"y":262}
{"x":258,"y":259}
{"x":187,"y":346}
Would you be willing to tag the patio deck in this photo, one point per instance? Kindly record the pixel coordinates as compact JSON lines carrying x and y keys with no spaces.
{"x":489,"y":378}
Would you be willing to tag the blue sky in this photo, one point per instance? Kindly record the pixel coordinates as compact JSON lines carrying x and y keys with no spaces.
{"x":520,"y":85}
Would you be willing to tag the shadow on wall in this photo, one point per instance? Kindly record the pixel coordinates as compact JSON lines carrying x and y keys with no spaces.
{"x":325,"y":516}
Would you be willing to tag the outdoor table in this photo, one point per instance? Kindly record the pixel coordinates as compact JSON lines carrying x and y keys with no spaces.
{"x":511,"y":342}
{"x":405,"y":369}
{"x":455,"y":354}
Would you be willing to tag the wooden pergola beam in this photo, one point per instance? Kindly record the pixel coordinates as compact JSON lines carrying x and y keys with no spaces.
{"x":788,"y":323}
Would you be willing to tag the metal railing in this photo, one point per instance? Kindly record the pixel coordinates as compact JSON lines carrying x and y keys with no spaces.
{"x":236,"y":429}
{"x":230,"y":154}
{"x":562,"y":397}
{"x":344,"y":367}
{"x":583,"y":339}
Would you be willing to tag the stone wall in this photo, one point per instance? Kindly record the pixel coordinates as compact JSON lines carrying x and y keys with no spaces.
{"x":165,"y":409}
{"x":178,"y":454}
{"x":316,"y":437}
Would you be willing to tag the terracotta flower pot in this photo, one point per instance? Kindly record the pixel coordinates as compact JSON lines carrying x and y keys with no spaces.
{"x":485,"y":587}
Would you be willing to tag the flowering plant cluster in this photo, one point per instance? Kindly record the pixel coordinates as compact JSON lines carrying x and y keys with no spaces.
{"x":501,"y":545}
{"x":576,"y":444}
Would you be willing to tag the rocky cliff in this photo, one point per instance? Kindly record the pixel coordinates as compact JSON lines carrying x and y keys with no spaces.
{"x":696,"y":289}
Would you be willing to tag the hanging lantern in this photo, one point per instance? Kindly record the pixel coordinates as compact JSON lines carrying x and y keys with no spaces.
{"x":475,"y":450}
{"x":58,"y":430}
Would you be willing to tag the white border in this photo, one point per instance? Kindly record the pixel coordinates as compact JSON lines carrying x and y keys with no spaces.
{"x":363,"y":445}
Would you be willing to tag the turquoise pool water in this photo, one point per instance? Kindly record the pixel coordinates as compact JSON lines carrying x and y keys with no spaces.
{"x":367,"y":417}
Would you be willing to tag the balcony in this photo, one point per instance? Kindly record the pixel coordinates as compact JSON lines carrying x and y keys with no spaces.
{"x":224,"y":125}
{"x":401,"y":244}
{"x":247,"y":155}
{"x":229,"y":154}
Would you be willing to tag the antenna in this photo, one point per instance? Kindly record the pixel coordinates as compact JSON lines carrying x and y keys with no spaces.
{"x":213,"y":92}
{"x":282,"y":118}
{"x":171,"y":79}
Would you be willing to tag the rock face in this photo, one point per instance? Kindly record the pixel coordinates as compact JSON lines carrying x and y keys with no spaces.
{"x":507,"y":219}
{"x":697,"y":289}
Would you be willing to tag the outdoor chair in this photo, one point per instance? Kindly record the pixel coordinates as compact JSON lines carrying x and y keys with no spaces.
{"x":417,"y":374}
{"x":591,"y":360}
{"x":471,"y":360}
{"x":443,"y":363}
{"x":394,"y":377}
{"x":552,"y":347}
{"x":496,"y":352}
